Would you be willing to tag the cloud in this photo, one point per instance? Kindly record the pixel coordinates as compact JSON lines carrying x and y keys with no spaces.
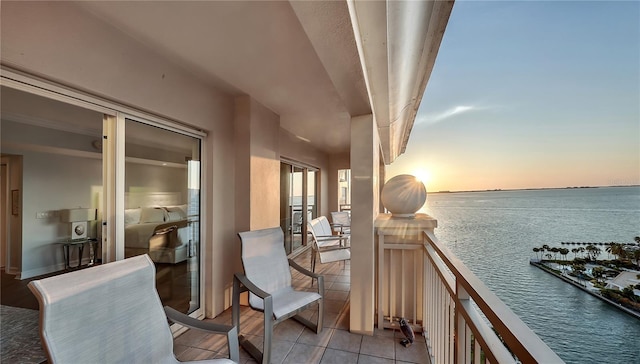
{"x":432,"y":118}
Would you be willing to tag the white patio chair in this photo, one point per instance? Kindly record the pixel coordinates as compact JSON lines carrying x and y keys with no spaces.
{"x":267,"y":277}
{"x":111,"y":313}
{"x":341,"y":222}
{"x":326,"y":246}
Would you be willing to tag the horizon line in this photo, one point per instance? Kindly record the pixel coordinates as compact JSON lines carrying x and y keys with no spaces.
{"x":532,"y":188}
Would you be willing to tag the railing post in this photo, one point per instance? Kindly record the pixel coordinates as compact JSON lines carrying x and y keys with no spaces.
{"x":461,"y":347}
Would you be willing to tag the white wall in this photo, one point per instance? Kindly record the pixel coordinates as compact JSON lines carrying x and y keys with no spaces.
{"x":52,"y":183}
{"x":55,"y":182}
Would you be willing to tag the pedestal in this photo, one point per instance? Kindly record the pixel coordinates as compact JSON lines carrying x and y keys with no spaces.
{"x":400,"y":262}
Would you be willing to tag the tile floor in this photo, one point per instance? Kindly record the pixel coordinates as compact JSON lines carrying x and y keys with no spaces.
{"x":294,"y":343}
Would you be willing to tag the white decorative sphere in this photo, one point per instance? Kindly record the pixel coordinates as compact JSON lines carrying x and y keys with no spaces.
{"x":403,"y":195}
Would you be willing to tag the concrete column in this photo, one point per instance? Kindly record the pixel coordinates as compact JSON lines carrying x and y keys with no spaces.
{"x":257,"y":166}
{"x":365,"y":165}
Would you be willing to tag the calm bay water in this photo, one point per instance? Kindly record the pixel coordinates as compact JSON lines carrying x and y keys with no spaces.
{"x":494,"y":233}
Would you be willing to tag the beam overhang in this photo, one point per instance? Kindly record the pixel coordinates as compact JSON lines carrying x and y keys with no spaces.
{"x":398,"y":42}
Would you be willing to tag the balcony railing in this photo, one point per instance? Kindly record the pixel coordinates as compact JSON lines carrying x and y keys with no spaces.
{"x":462,"y":316}
{"x":420,"y":280}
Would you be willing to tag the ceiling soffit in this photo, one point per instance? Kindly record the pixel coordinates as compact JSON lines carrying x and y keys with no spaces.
{"x":316,"y":63}
{"x":398,"y":42}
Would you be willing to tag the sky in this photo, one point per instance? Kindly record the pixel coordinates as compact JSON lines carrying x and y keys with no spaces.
{"x":531,"y":94}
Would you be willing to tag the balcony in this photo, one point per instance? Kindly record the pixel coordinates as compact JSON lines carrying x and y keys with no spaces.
{"x":293,"y":343}
{"x":457,"y":313}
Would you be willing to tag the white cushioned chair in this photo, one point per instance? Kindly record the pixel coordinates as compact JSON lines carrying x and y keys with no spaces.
{"x":267,"y":277}
{"x":326,"y":246}
{"x":111,"y":313}
{"x":341,"y":222}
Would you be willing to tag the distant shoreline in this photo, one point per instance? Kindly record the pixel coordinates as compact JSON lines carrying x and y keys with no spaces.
{"x":532,"y":189}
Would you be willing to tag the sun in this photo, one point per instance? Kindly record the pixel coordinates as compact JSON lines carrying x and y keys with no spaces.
{"x":422,"y":175}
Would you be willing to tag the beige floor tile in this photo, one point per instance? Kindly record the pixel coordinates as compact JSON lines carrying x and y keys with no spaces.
{"x":196,"y":354}
{"x":307,"y":354}
{"x":332,"y":356}
{"x":311,"y":338}
{"x":335,"y":305}
{"x":339,"y":286}
{"x":288,"y":330}
{"x":368,"y":359}
{"x":416,"y":353}
{"x":346,"y":341}
{"x":336,"y":295}
{"x":379,"y":346}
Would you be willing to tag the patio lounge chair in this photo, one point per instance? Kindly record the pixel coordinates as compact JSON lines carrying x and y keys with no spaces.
{"x":111,"y":313}
{"x":326,"y":246}
{"x":267,"y":277}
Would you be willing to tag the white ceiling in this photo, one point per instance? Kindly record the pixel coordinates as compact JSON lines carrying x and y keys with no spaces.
{"x":309,"y":71}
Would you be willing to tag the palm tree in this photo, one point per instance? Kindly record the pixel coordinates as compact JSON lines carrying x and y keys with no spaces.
{"x":536,"y":250}
{"x":617,"y":249}
{"x":555,"y":251}
{"x":589,"y":250}
{"x":564,"y":252}
{"x":593,"y":252}
{"x":581,"y":250}
{"x":575,"y":252}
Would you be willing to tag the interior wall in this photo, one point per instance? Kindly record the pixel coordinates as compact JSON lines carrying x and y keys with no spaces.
{"x":151,"y":178}
{"x":55,"y":182}
{"x":52,"y":183}
{"x":63,"y":43}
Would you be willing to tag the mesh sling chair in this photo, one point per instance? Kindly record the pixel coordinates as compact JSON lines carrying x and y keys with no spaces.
{"x":341,"y":222}
{"x":111,"y":313}
{"x":267,"y":277}
{"x":326,"y":246}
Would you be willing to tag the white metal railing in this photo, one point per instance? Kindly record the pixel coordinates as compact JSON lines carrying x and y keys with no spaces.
{"x":454,"y":326}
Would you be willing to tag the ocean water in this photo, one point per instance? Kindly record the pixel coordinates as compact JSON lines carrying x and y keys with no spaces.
{"x":494,"y":233}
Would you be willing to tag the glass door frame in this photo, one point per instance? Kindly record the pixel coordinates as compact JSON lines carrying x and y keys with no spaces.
{"x":305,"y":170}
{"x":113,"y":157}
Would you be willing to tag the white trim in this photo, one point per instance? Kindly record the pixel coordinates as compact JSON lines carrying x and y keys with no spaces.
{"x":41,"y":87}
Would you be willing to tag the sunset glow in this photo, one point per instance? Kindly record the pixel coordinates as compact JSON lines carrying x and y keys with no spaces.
{"x":512,"y":104}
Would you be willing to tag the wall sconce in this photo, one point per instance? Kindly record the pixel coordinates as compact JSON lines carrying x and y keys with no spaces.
{"x":78,"y":219}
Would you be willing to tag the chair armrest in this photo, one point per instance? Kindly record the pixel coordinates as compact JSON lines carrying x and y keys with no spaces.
{"x":251,"y":287}
{"x":331,"y":237}
{"x":303,"y":270}
{"x":231,"y":331}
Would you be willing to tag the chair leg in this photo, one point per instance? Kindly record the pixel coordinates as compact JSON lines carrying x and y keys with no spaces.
{"x":268,"y":331}
{"x":320,"y":305}
{"x":313,"y":264}
{"x":235,"y":304}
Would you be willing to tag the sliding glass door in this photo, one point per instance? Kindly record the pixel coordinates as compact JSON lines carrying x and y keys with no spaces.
{"x":79,"y":173}
{"x":298,"y":203}
{"x":162,"y":209}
